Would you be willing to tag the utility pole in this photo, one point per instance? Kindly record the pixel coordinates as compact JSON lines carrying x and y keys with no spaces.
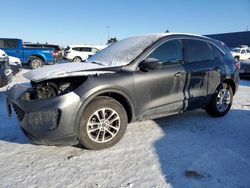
{"x":108,"y":27}
{"x":247,"y":28}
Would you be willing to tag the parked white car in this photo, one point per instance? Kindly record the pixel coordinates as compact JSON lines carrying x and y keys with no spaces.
{"x":240,"y":54}
{"x":15,"y":64}
{"x":78,"y":53}
{"x":15,"y":61}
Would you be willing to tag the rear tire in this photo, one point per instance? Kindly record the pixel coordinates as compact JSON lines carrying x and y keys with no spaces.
{"x":35,"y":62}
{"x":103,"y":123}
{"x":221,"y":101}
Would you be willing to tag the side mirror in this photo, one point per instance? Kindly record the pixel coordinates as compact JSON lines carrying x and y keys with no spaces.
{"x":150,"y":64}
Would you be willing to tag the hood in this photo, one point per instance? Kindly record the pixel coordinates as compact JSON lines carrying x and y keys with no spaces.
{"x":66,"y":70}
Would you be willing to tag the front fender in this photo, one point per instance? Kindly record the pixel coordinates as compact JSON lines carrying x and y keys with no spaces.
{"x":100,"y":90}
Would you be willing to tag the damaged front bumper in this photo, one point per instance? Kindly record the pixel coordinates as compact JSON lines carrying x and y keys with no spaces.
{"x":48,"y":121}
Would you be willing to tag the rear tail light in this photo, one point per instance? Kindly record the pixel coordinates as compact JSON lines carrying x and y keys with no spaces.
{"x":237,"y":64}
{"x":53,"y":53}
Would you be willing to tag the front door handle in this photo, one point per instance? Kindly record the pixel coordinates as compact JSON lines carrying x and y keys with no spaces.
{"x":179,"y":74}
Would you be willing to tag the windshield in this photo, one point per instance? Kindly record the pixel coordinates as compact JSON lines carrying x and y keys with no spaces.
{"x":124,"y":51}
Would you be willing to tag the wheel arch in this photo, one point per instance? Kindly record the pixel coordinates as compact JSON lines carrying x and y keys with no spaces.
{"x":36,"y":55}
{"x":78,"y":57}
{"x":237,"y":56}
{"x":231,"y":83}
{"x":119,"y":96}
{"x":123,"y":101}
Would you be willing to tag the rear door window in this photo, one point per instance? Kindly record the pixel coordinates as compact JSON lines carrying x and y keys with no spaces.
{"x":196,"y":51}
{"x":243,"y":51}
{"x":85,"y":49}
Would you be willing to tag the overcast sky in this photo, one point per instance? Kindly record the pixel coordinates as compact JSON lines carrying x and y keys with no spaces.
{"x":87,"y":21}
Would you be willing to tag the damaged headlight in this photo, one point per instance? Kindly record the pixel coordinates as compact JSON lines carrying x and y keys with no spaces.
{"x":52,"y":88}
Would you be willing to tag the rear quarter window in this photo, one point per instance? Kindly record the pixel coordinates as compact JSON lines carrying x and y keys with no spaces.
{"x":94,"y":50}
{"x":215,"y":51}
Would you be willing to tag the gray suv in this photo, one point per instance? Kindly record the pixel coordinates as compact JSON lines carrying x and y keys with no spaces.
{"x":137,"y":78}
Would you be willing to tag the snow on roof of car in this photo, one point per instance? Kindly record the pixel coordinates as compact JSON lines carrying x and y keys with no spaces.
{"x":124,"y":51}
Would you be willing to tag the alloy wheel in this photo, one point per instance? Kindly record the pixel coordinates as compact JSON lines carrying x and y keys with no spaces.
{"x":103,"y":125}
{"x":223,"y":100}
{"x":36,"y":63}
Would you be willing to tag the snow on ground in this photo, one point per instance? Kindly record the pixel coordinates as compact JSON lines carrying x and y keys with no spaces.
{"x":192,"y":150}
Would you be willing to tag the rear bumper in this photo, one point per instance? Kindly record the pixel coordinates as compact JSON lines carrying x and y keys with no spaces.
{"x":48,"y":121}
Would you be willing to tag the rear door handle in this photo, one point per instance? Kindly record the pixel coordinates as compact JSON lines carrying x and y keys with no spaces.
{"x":179,"y":74}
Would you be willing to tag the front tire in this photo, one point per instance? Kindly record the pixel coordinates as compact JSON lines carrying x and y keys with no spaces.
{"x":221,"y":101}
{"x":103,"y":123}
{"x":77,"y":59}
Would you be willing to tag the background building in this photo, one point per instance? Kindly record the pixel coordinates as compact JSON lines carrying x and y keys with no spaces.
{"x":233,"y":39}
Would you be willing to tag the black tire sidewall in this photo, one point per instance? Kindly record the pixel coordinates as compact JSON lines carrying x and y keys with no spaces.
{"x":98,"y":103}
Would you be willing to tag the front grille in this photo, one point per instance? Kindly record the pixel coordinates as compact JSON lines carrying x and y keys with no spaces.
{"x":19,"y":112}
